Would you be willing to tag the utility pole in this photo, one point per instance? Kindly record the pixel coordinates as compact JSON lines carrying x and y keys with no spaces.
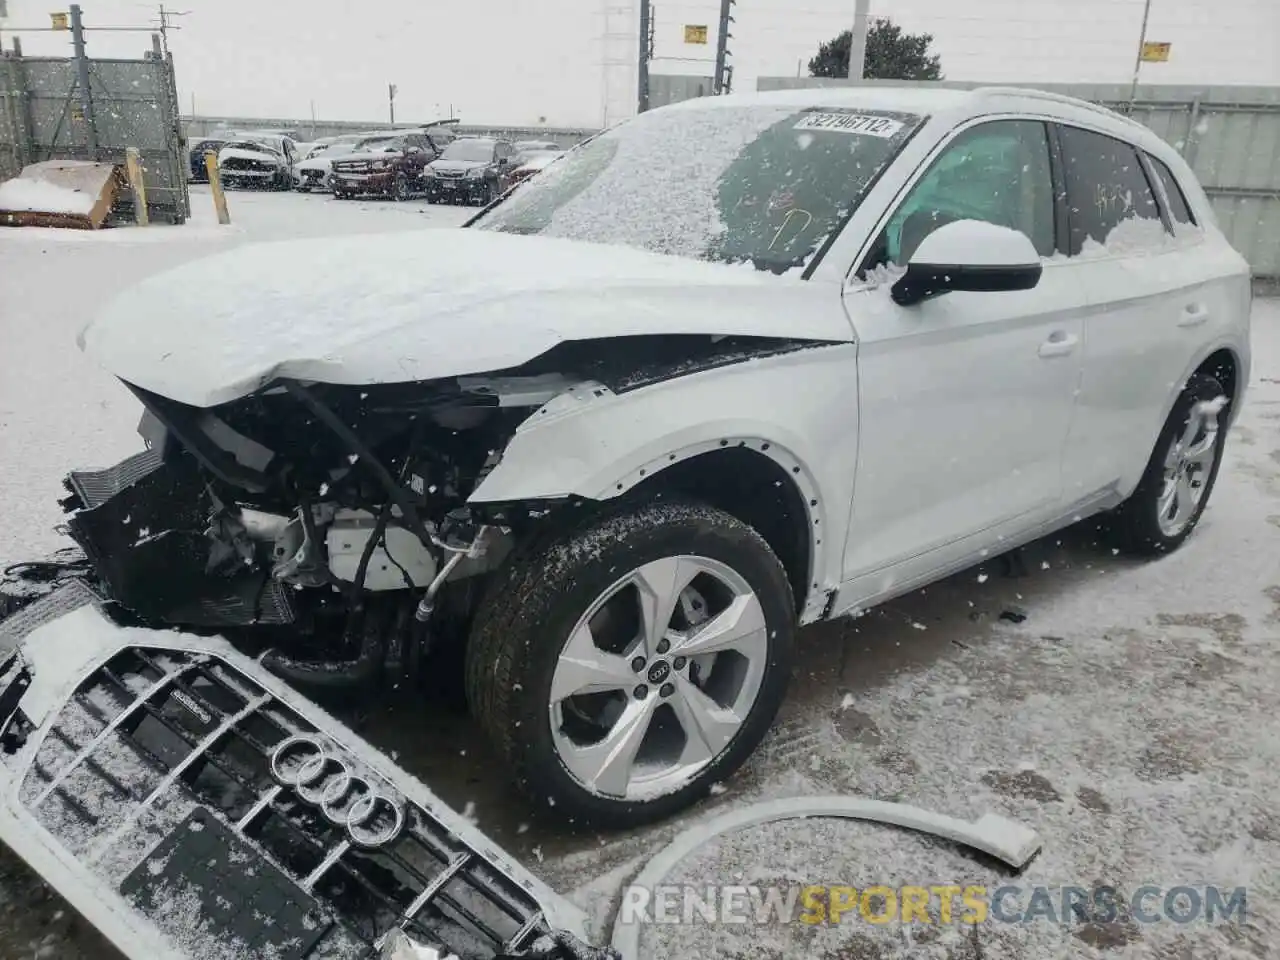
{"x":720,"y":82}
{"x":391,"y":101}
{"x":165,"y":26}
{"x":1137,"y":65}
{"x":858,"y":40}
{"x":82,"y":80}
{"x":646,"y":52}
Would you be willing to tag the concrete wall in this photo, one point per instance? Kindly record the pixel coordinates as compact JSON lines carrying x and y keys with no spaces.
{"x":666,"y":88}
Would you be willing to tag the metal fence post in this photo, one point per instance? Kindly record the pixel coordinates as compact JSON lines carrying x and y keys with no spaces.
{"x":82,"y":80}
{"x":1192,"y":139}
{"x":20,"y":120}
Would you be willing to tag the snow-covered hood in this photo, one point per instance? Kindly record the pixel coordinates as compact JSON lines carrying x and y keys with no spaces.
{"x":226,"y":153}
{"x":420,"y":306}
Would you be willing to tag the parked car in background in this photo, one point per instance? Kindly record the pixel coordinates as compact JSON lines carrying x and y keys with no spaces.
{"x":527,"y":148}
{"x":471,"y":170}
{"x":199,"y":172}
{"x":258,"y":161}
{"x":389,"y":165}
{"x":531,"y":163}
{"x":315,"y":170}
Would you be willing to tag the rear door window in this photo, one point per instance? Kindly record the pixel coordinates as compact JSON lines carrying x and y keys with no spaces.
{"x":1179,"y":209}
{"x":1107,"y":186}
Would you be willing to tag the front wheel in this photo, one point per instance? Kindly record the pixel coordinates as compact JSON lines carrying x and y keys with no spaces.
{"x":400,"y":191}
{"x":1174,"y":491}
{"x":625,"y":668}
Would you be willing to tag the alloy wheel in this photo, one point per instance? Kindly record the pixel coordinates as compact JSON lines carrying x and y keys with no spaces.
{"x":657,"y":677}
{"x":1187,"y":466}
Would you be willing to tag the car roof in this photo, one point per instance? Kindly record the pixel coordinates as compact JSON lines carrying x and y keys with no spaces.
{"x":952,"y":104}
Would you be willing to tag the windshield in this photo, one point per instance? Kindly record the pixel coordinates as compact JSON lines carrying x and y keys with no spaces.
{"x":261,"y":145}
{"x":381,"y":144}
{"x":336,"y":145}
{"x":476,"y":150}
{"x":759,"y":184}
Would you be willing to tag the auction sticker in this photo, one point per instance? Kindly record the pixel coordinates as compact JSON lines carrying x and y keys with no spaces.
{"x":850,"y":123}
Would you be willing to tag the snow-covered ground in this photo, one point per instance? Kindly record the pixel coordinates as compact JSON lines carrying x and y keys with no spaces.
{"x":1128,"y":712}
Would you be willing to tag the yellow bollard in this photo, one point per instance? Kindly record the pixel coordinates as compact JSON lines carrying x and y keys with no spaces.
{"x":133,"y":167}
{"x":215,"y":185}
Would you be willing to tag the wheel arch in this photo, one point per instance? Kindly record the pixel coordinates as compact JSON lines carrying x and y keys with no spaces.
{"x":742,"y":479}
{"x":755,"y":478}
{"x":1220,"y":359}
{"x":1224,"y":360}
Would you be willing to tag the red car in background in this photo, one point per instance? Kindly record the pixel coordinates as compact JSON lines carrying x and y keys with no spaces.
{"x":533,"y":162}
{"x":388,"y":166}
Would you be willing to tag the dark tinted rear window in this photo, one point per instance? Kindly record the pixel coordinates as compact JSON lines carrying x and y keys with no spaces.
{"x":1106,"y":185}
{"x":1179,"y":209}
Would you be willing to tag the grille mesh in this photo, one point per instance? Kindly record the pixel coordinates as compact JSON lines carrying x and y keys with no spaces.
{"x":153,"y":735}
{"x":96,"y":487}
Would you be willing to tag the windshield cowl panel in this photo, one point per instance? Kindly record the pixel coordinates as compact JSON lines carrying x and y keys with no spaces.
{"x":759,"y":184}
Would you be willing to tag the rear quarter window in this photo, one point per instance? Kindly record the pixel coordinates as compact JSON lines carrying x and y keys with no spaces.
{"x":1179,"y":209}
{"x":1106,"y":186}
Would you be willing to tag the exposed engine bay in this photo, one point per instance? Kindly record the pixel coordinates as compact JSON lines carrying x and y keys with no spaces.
{"x":327,"y":528}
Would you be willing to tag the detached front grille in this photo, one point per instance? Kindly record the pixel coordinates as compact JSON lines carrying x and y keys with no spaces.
{"x":159,"y":753}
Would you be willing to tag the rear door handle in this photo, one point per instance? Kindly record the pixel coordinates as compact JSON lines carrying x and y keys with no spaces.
{"x":1059,"y":344}
{"x":1193,"y":314}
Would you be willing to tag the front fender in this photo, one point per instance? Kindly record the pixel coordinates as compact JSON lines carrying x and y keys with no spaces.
{"x":798,"y":409}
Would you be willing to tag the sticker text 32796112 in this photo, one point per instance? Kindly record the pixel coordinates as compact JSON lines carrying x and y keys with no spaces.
{"x":850,"y":123}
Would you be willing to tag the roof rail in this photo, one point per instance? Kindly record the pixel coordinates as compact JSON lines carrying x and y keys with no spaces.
{"x":1032,"y":93}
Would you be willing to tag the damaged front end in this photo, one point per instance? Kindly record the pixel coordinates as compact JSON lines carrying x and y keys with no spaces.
{"x":323,"y":527}
{"x":190,"y":805}
{"x":326,"y":528}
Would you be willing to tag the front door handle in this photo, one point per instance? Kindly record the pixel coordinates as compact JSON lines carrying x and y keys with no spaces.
{"x":1059,"y":344}
{"x":1193,"y":314}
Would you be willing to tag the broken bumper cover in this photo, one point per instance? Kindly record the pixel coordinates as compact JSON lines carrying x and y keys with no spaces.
{"x":190,"y":805}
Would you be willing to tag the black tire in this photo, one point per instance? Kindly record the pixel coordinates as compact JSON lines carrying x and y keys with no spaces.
{"x":400,"y":188}
{"x":1134,"y":526}
{"x":538,"y":597}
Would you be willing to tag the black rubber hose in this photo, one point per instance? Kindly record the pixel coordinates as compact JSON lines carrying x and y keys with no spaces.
{"x":395,"y":490}
{"x":330,"y":674}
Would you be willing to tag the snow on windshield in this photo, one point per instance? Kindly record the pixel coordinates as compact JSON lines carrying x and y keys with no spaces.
{"x":759,"y":184}
{"x":379,"y":143}
{"x":480,"y":150}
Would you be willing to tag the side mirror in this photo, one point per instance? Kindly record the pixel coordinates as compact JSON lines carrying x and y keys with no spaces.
{"x":969,"y":255}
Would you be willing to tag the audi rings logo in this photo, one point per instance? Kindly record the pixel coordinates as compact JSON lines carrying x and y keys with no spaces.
{"x":371,"y":817}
